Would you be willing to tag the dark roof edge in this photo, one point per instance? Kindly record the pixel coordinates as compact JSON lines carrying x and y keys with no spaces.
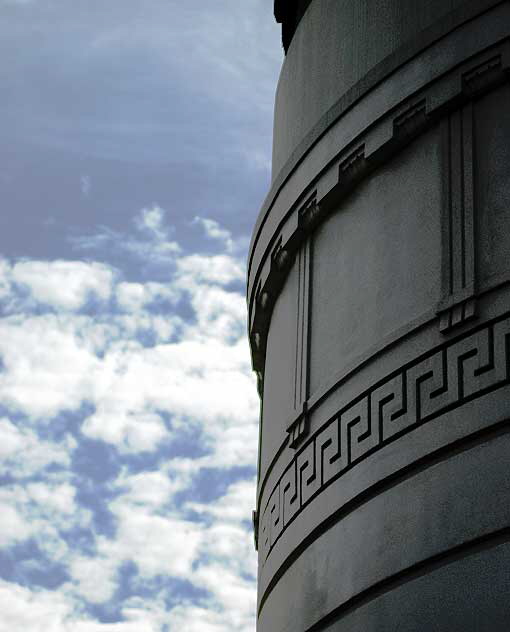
{"x":288,"y":13}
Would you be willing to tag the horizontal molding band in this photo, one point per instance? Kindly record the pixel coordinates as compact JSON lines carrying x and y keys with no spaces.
{"x":325,"y":390}
{"x":376,"y":75}
{"x":429,"y":460}
{"x":370,"y":150}
{"x":443,"y":379}
{"x":468,"y":549}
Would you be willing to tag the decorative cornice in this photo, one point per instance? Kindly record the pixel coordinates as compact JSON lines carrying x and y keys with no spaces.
{"x":384,"y":68}
{"x":371,"y":149}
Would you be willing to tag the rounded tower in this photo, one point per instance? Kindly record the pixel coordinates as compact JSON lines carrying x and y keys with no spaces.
{"x":379,"y":321}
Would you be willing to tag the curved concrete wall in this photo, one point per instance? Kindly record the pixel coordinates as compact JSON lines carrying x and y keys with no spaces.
{"x":337,"y":43}
{"x":379,"y":317}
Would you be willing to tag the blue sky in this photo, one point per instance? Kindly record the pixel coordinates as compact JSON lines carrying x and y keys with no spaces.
{"x":135,"y":154}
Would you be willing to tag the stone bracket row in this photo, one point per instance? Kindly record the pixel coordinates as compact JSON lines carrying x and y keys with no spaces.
{"x":448,"y":99}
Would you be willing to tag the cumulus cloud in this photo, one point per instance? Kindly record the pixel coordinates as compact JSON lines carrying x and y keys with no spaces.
{"x":23,"y":453}
{"x":41,"y":512}
{"x":94,"y":578}
{"x":133,"y":297}
{"x":221,"y":269}
{"x":40,"y":610}
{"x":47,"y":364}
{"x":127,"y":430}
{"x":158,"y":374}
{"x":63,"y":284}
{"x":34,"y":610}
{"x":235,"y":506}
{"x":214,"y":231}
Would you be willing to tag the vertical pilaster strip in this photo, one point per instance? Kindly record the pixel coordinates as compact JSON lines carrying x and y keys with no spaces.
{"x":298,"y":426}
{"x":458,"y":220}
{"x":301,"y":376}
{"x":469,"y":199}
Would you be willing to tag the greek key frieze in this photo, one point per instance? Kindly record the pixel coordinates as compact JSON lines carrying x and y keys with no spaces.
{"x":443,"y":379}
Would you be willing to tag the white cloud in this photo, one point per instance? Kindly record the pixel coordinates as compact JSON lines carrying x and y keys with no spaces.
{"x":133,"y":297}
{"x":152,"y":489}
{"x":221,"y":269}
{"x":129,"y":431}
{"x":213,"y":230}
{"x":24,"y":454}
{"x":39,"y":610}
{"x":151,"y":380}
{"x":235,"y":506}
{"x":139,"y":625}
{"x":41,"y":511}
{"x":63,"y":284}
{"x":47,"y":365}
{"x":158,"y":246}
{"x":130,"y":325}
{"x":14,"y":528}
{"x":235,"y":595}
{"x":58,"y":498}
{"x":33,"y":611}
{"x":57,"y":362}
{"x":159,"y":545}
{"x":51,"y":365}
{"x":221,"y":315}
{"x":94,"y":578}
{"x":5,"y":285}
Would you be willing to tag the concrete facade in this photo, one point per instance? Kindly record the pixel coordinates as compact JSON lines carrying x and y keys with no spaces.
{"x":379,"y":321}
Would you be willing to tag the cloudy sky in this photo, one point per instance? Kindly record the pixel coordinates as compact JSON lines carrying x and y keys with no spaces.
{"x":135,"y":154}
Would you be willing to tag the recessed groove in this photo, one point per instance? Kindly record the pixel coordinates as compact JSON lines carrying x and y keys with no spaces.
{"x":394,"y":479}
{"x":462,"y":551}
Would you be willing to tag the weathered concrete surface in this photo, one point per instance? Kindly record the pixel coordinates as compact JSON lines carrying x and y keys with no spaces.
{"x":379,"y":317}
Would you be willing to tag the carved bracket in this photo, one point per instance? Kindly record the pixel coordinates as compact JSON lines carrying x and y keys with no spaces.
{"x":299,"y":427}
{"x":282,"y":258}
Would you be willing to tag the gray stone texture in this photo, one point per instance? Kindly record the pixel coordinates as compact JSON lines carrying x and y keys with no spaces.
{"x":379,"y":320}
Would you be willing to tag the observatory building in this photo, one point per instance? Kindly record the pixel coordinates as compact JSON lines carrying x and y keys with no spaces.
{"x":379,"y":321}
